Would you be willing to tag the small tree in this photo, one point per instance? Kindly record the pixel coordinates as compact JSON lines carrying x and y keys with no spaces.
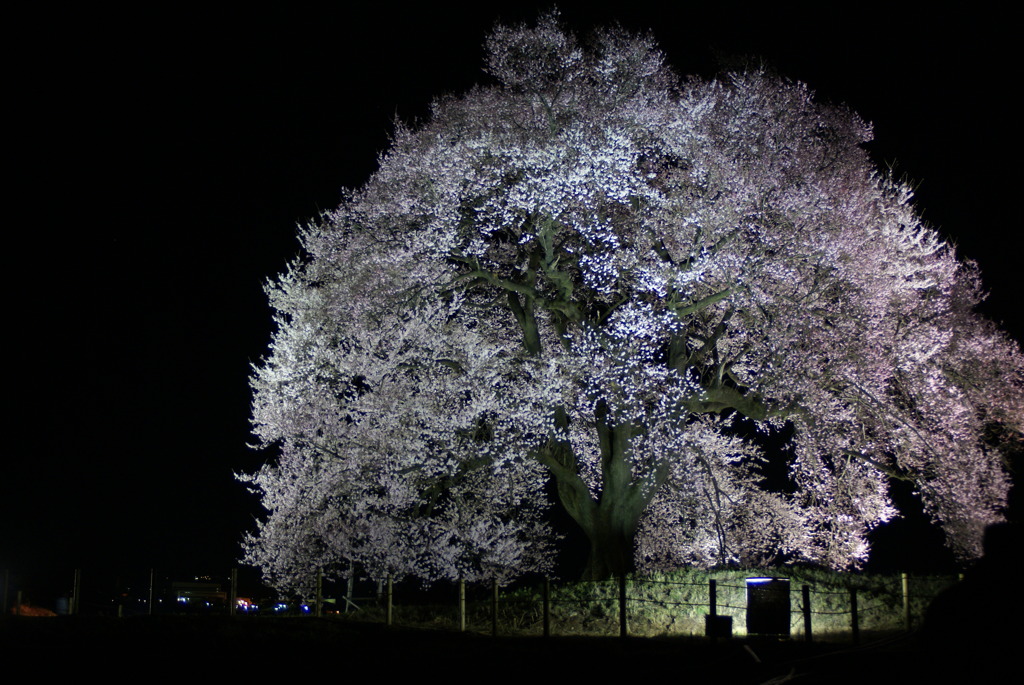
{"x":594,"y":273}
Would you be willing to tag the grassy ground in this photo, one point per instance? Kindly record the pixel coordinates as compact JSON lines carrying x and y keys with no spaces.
{"x":665,"y":623}
{"x":250,"y":645}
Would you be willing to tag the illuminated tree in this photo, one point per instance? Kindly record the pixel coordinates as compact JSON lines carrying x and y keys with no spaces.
{"x":596,"y":274}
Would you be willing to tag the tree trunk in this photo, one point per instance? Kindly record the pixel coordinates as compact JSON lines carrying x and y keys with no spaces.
{"x":611,"y":546}
{"x":610,"y":522}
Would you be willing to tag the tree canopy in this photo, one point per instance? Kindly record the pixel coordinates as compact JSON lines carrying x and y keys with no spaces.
{"x":595,"y":274}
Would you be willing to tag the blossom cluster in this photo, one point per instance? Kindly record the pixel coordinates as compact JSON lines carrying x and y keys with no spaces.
{"x":595,"y":273}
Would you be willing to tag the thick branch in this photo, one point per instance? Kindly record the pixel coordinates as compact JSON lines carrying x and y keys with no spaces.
{"x":704,"y":303}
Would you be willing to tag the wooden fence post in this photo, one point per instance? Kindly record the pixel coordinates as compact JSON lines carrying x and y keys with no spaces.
{"x":350,"y":585}
{"x":319,"y":606}
{"x":152,"y":579}
{"x":710,"y":625}
{"x":806,"y":591}
{"x":462,"y":605}
{"x":387,"y":612}
{"x":494,"y":607}
{"x":233,"y":597}
{"x":623,"y":630}
{"x":546,"y":593}
{"x":76,"y":590}
{"x":854,"y":621}
{"x":905,"y":577}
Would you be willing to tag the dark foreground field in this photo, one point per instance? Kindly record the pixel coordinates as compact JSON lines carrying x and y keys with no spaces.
{"x":247,"y":649}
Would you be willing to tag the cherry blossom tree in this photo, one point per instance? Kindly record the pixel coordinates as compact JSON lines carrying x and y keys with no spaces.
{"x":595,"y":275}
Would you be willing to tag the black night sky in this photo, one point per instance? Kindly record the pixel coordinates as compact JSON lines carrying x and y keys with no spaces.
{"x":161,"y":163}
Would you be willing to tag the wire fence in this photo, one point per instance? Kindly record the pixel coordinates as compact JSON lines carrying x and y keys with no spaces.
{"x":803,"y":604}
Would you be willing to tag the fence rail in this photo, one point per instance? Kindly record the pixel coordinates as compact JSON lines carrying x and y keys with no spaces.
{"x":657,"y":605}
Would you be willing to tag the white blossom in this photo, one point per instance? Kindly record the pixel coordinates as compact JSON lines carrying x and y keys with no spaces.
{"x":594,"y":273}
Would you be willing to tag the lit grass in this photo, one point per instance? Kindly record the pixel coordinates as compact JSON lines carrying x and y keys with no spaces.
{"x":675,"y":604}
